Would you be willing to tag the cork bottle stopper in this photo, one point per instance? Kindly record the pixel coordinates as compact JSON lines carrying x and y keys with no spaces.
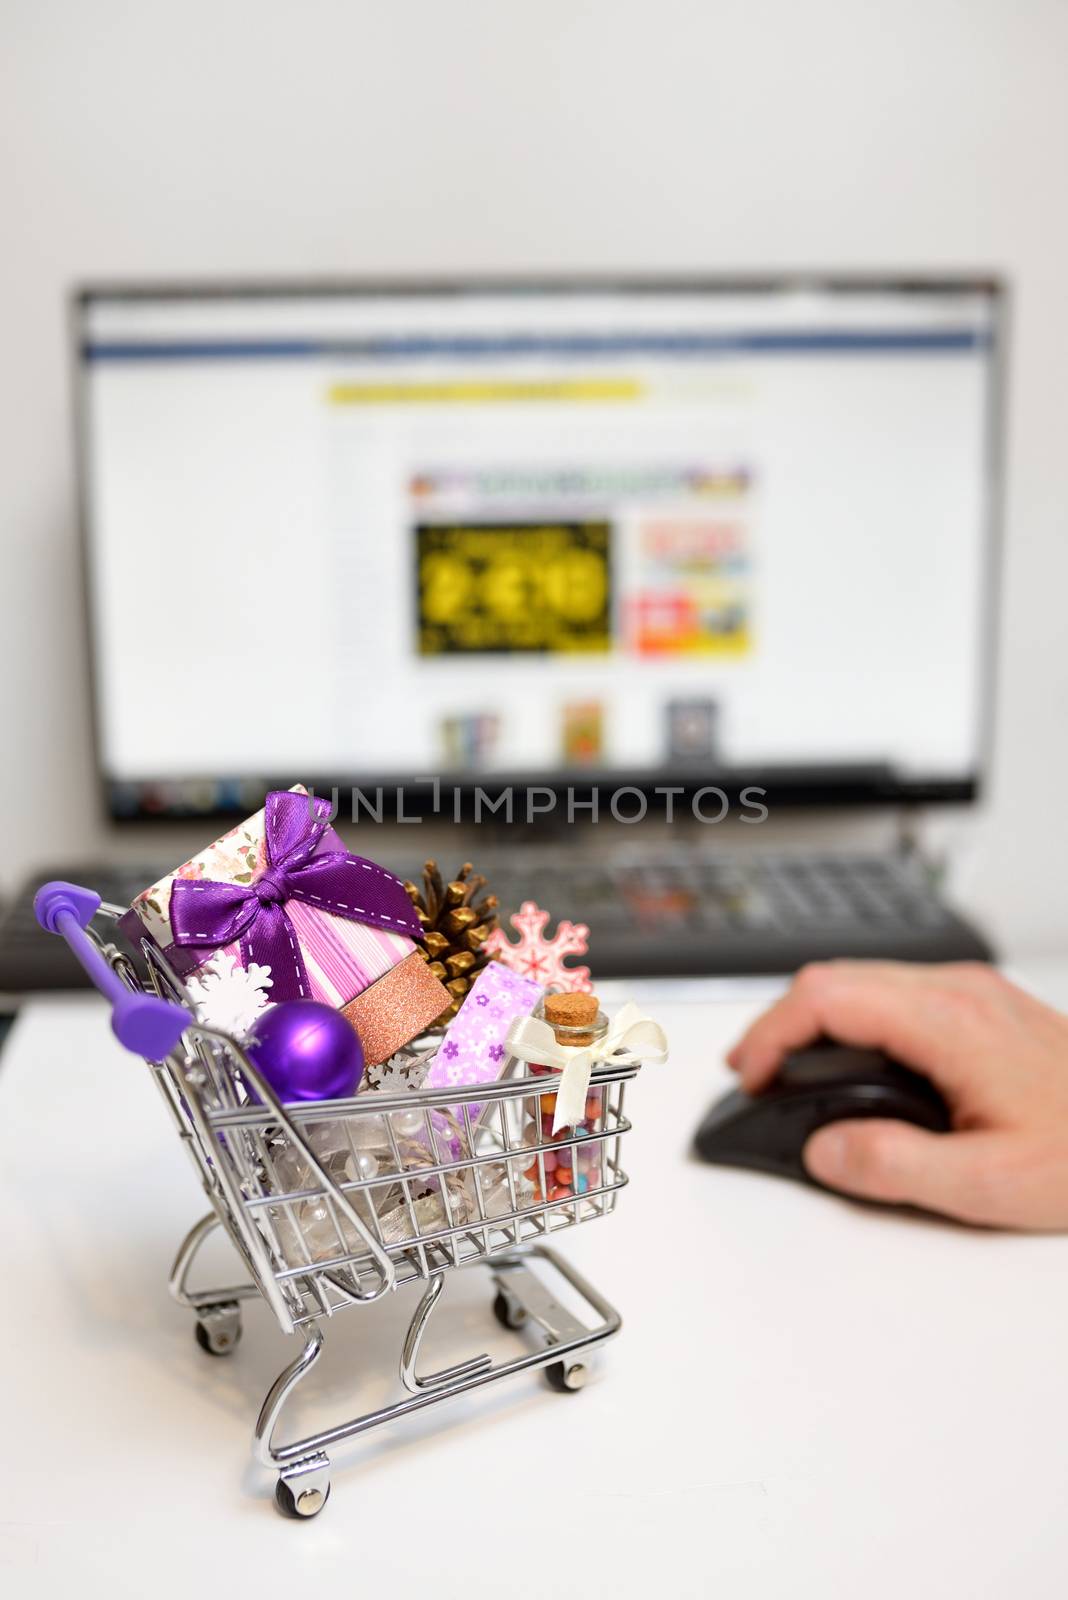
{"x":571,"y":1011}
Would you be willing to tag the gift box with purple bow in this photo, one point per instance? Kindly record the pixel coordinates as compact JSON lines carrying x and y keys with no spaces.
{"x":280,"y":891}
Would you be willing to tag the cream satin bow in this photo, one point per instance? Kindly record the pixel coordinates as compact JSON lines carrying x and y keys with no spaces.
{"x":632,"y":1037}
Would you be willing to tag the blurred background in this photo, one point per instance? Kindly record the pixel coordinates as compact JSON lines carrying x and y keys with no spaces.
{"x":155,"y":143}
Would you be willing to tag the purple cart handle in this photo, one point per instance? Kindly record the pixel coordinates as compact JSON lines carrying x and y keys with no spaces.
{"x":148,"y":1026}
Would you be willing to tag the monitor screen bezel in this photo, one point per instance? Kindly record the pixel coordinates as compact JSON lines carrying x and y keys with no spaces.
{"x":819,"y":785}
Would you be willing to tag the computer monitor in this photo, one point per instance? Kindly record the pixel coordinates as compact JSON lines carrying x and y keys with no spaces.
{"x":540,"y":532}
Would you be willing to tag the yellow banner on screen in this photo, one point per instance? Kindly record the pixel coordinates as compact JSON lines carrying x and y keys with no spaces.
{"x":488,"y":391}
{"x":508,"y":587}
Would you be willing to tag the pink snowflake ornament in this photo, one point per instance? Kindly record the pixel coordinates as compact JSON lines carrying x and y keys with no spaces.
{"x":540,"y":958}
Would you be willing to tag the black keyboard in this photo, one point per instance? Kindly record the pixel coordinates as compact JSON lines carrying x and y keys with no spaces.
{"x":679,"y":915}
{"x":711,"y":916}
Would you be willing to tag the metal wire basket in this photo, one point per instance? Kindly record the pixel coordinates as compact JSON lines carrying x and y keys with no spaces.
{"x":334,"y":1203}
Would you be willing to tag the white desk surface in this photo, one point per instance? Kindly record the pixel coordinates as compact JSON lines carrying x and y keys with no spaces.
{"x":808,"y":1398}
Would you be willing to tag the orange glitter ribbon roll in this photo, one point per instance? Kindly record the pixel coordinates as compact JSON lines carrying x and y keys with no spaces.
{"x":396,"y":1007}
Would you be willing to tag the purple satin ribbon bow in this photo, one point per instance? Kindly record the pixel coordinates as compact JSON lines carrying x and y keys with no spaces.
{"x":212,"y":914}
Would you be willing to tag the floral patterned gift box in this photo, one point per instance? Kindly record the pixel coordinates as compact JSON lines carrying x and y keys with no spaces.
{"x":260,"y":895}
{"x":473,"y":1049}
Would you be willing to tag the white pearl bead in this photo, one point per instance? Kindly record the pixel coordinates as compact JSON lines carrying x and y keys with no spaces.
{"x":408,"y":1123}
{"x":366,"y":1165}
{"x":318,"y":1228}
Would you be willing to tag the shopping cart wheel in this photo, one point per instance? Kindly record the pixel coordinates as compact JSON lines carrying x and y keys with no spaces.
{"x":218,"y":1329}
{"x":509,"y":1313}
{"x":567,"y":1377}
{"x":307,"y":1504}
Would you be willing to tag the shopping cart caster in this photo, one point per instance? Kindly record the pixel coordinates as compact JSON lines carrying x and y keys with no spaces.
{"x":303,"y":1491}
{"x":218,"y":1328}
{"x":508,"y":1311}
{"x":567,"y":1377}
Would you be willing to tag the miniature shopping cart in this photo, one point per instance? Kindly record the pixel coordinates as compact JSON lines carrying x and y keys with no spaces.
{"x":331,"y":1204}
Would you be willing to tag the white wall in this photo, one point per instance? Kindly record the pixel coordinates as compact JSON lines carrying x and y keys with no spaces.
{"x":249,"y":137}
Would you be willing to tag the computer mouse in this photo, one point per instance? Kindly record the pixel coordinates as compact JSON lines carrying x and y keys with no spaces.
{"x":824,"y":1083}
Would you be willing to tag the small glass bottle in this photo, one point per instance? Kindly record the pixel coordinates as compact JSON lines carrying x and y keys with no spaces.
{"x":577,"y":1021}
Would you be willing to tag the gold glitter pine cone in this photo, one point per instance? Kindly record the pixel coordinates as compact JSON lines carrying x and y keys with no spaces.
{"x":457,"y":918}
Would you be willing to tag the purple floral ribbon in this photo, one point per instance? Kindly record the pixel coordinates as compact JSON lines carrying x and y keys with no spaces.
{"x":210,"y":914}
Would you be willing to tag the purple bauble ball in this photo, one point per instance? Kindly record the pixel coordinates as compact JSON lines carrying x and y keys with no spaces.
{"x":307,"y":1051}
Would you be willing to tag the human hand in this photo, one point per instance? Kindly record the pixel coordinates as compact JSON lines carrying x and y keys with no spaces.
{"x":999,"y":1056}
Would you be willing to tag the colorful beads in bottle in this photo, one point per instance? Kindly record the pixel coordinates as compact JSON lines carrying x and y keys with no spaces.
{"x":575,"y":1168}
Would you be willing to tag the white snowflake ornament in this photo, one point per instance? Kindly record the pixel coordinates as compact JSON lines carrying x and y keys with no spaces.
{"x":229,"y":996}
{"x":540,"y":958}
